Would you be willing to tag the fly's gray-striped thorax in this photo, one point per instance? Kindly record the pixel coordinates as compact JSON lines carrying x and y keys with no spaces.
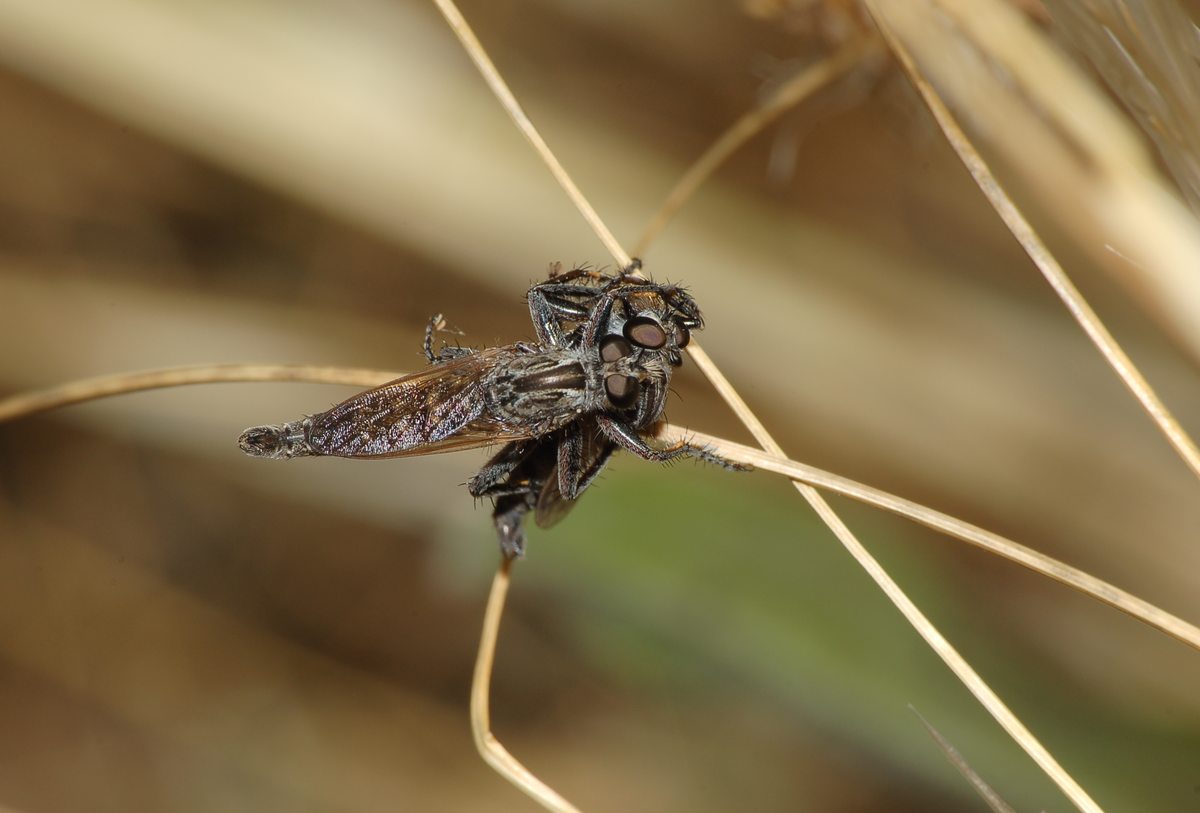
{"x":552,"y":386}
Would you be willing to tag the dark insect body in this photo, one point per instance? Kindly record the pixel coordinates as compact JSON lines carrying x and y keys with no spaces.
{"x":596,"y":377}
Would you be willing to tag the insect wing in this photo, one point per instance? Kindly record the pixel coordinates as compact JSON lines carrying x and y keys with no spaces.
{"x":552,"y":506}
{"x":436,"y":410}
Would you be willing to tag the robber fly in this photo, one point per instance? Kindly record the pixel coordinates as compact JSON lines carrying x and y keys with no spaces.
{"x":596,"y":377}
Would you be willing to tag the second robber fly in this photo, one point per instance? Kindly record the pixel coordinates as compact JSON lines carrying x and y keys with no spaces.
{"x":596,"y":377}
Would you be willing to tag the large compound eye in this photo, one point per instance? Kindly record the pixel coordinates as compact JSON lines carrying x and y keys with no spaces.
{"x":645,"y":332}
{"x":622,"y":390}
{"x":682,"y":336}
{"x":613,"y":348}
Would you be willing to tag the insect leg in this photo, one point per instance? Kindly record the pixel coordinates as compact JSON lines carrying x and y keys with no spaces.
{"x":438,"y":323}
{"x":570,"y":463}
{"x":579,"y":273}
{"x":624,"y":435}
{"x":509,"y":516}
{"x":514,"y":479}
{"x":561,"y":298}
{"x":549,"y":308}
{"x":563,"y":290}
{"x":575,"y":471}
{"x":628,"y":274}
{"x":484,"y":483}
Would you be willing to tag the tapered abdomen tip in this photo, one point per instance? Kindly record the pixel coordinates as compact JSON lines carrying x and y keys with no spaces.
{"x":263,"y":441}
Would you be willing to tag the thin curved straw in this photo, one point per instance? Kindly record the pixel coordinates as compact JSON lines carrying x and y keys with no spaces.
{"x":495,"y":754}
{"x":30,"y":403}
{"x":89,"y":389}
{"x":783,"y":98}
{"x":506,"y":98}
{"x":1027,"y":557}
{"x":1078,"y":307}
{"x":985,"y":791}
{"x":966,"y":674}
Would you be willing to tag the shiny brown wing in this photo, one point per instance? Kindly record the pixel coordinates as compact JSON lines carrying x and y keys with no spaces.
{"x":439,"y":409}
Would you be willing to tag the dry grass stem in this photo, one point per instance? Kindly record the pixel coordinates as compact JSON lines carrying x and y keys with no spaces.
{"x":783,"y":98}
{"x":506,"y":98}
{"x":1045,"y":261}
{"x":1048,"y":566}
{"x":985,"y":791}
{"x":1083,"y":162}
{"x":351,"y":175}
{"x":950,"y":656}
{"x":75,"y":392}
{"x":495,"y":754}
{"x":1146,"y":54}
{"x":89,"y":389}
{"x":924,"y":627}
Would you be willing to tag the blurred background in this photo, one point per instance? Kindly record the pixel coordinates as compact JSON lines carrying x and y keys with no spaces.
{"x":183,"y":628}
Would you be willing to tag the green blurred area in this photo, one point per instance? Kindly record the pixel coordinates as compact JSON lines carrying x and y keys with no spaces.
{"x":772,"y":607}
{"x":185,"y":629}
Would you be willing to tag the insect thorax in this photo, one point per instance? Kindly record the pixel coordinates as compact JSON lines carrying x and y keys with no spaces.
{"x":544,"y":390}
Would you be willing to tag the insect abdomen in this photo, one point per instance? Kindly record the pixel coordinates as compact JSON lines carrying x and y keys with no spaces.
{"x":276,"y":441}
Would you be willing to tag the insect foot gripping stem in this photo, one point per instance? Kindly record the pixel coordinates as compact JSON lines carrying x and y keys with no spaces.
{"x":277,"y":442}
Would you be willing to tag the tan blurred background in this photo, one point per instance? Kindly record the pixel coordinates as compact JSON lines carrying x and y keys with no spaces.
{"x":185,"y":629}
